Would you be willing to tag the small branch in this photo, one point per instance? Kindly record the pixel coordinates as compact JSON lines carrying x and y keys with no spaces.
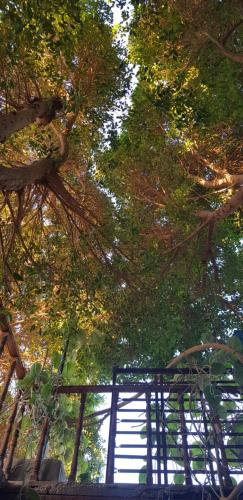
{"x":231,"y":31}
{"x":226,"y":53}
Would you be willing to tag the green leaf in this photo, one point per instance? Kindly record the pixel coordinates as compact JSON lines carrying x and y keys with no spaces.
{"x":222,"y":412}
{"x":142,"y":475}
{"x":56,"y":359}
{"x":213,"y":396}
{"x":69,"y":370}
{"x":46,"y":391}
{"x":27,"y":381}
{"x":238,"y":373}
{"x":26,"y":423}
{"x":235,"y":343}
{"x":179,"y":478}
{"x":18,"y":276}
{"x":217,"y":368}
{"x":35,"y":370}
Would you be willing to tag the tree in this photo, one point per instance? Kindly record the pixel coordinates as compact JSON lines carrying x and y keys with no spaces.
{"x":96,"y":219}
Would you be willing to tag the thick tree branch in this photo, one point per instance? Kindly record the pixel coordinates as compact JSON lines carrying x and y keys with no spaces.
{"x":233,"y":204}
{"x":217,"y":169}
{"x":226,"y":181}
{"x":40,"y":111}
{"x":17,"y":178}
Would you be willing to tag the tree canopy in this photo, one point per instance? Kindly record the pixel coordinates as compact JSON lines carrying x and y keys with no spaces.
{"x":120,"y":202}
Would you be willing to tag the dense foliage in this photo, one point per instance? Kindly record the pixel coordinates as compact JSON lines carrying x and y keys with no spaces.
{"x":120,"y":214}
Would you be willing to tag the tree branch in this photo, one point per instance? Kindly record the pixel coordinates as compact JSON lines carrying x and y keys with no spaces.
{"x":225,"y":181}
{"x":231,"y":31}
{"x":226,"y":53}
{"x":203,"y":347}
{"x":233,"y":204}
{"x":42,"y":112}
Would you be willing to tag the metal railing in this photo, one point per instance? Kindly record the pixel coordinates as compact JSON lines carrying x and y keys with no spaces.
{"x":162,"y":424}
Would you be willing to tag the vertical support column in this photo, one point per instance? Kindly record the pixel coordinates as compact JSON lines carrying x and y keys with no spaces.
{"x":149,"y":480}
{"x":186,"y":458}
{"x":158,"y":434}
{"x":14,"y":442}
{"x":112,"y":438}
{"x":6,"y":385}
{"x":79,"y":431}
{"x":163,"y":434}
{"x":8,"y":431}
{"x":36,"y":466}
{"x":114,"y":375}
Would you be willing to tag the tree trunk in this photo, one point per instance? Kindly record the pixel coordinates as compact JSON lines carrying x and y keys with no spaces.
{"x":17,"y":178}
{"x":40,"y":111}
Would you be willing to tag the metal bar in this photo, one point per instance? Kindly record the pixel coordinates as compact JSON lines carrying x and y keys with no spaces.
{"x":114,"y":375}
{"x":112,"y":438}
{"x":190,"y":446}
{"x":74,"y":465}
{"x":187,"y":399}
{"x":137,"y":457}
{"x":186,"y":458}
{"x":158,"y":434}
{"x":174,"y":433}
{"x":149,"y":475}
{"x":142,"y":388}
{"x":133,"y":421}
{"x":6,"y":385}
{"x":173,"y":471}
{"x":159,"y":371}
{"x":9,"y":461}
{"x":163,"y":435}
{"x":8,"y":431}
{"x":37,"y":463}
{"x":132,"y":410}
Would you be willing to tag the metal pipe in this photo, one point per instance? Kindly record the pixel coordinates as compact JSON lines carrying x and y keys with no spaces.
{"x":112,"y":438}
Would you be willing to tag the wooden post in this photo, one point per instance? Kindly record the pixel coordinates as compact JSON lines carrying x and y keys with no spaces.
{"x":6,"y":385}
{"x":74,"y":465}
{"x":9,"y":461}
{"x":8,"y":432}
{"x":36,"y":466}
